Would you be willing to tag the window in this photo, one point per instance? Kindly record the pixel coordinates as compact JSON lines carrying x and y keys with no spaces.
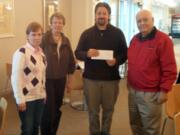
{"x":6,"y":18}
{"x":123,"y":16}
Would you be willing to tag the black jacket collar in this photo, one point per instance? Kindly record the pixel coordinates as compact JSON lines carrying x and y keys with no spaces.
{"x":150,"y":36}
{"x":107,"y":27}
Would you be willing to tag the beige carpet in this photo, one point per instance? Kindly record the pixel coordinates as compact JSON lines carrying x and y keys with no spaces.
{"x":76,"y":122}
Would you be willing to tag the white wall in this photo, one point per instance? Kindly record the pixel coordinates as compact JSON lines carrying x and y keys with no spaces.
{"x":81,"y":18}
{"x":65,"y":8}
{"x":147,"y":4}
{"x":78,"y":14}
{"x":25,"y":12}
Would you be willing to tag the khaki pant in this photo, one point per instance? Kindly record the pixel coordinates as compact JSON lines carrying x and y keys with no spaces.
{"x":144,"y":112}
{"x":100,"y":94}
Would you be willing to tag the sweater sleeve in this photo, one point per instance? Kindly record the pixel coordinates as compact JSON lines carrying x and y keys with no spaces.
{"x":121,"y":56}
{"x":17,"y":76}
{"x":80,"y":51}
{"x":168,"y":65}
{"x":71,"y":66}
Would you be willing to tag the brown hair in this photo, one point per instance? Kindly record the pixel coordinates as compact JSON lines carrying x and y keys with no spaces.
{"x":59,"y":16}
{"x":33,"y":27}
{"x":103,"y":4}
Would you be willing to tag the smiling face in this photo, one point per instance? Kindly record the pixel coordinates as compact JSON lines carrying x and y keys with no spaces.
{"x":57,"y":25}
{"x":101,"y":16}
{"x":145,"y":22}
{"x":34,"y":34}
{"x":34,"y":38}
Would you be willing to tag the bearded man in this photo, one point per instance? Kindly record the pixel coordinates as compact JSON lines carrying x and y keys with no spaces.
{"x":103,"y":48}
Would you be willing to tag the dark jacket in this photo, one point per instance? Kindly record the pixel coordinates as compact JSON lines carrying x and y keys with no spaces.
{"x":57,"y":68}
{"x":110,"y":39}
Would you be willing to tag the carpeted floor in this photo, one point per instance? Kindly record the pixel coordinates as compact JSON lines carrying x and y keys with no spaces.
{"x":76,"y":122}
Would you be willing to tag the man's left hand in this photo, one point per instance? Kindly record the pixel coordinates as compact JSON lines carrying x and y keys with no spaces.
{"x":162,"y":97}
{"x":111,"y":62}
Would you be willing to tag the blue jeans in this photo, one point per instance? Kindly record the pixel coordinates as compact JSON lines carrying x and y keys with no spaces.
{"x":31,"y":117}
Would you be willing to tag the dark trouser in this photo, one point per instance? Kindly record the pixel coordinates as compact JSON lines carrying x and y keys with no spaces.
{"x":31,"y":117}
{"x":100,"y":94}
{"x":52,"y":113}
{"x":144,"y":112}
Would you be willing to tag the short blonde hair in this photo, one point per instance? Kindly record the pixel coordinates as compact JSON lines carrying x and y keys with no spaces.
{"x":59,"y":16}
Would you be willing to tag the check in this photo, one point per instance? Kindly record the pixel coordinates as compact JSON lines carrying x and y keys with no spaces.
{"x":104,"y":55}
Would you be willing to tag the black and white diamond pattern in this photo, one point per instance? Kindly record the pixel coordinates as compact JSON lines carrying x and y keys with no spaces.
{"x":33,"y":60}
{"x":27,"y":70}
{"x":22,"y":50}
{"x":25,"y":91}
{"x":35,"y":81}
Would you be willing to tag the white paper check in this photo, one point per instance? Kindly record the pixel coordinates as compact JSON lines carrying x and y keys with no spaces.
{"x":104,"y":55}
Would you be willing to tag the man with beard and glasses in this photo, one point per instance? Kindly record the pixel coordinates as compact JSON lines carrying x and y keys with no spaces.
{"x":103,"y":48}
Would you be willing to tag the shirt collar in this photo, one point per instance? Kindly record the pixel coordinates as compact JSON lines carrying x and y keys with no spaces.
{"x":28,"y":45}
{"x":50,"y":36}
{"x":151,"y":35}
{"x":107,"y":27}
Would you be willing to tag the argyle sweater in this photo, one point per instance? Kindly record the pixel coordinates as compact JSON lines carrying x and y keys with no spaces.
{"x":28,"y":74}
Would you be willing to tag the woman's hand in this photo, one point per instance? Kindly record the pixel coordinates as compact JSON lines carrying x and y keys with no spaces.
{"x":22,"y":107}
{"x":69,"y":83}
